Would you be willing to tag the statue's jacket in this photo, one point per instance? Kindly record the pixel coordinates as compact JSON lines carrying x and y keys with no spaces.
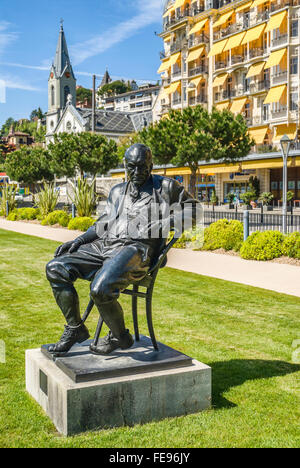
{"x":144,"y":221}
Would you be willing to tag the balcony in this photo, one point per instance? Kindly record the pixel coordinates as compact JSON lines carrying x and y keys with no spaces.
{"x":233,"y":28}
{"x":178,"y":19}
{"x":176,"y":101}
{"x":196,"y":40}
{"x":197,"y":70}
{"x":280,"y":77}
{"x":165,"y":107}
{"x":166,"y":81}
{"x":176,"y":74}
{"x":282,"y":4}
{"x":194,"y":100}
{"x":221,"y":64}
{"x":279,"y":113}
{"x":258,"y":86}
{"x":175,"y":47}
{"x":282,"y":40}
{"x":226,"y":94}
{"x":260,"y":119}
{"x":238,"y":59}
{"x":258,"y":52}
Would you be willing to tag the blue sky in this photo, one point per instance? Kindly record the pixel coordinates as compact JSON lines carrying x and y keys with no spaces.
{"x":118,"y":34}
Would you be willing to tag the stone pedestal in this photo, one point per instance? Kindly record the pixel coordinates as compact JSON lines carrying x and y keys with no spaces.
{"x":85,"y":392}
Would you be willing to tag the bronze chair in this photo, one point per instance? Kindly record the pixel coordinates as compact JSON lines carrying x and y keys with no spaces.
{"x":148,"y":282}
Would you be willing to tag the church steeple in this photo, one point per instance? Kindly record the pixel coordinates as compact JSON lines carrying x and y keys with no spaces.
{"x":62,"y":60}
{"x":61,"y":83}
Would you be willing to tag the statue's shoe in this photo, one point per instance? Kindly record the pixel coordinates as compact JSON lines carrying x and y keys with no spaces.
{"x":109,"y":343}
{"x":70,"y":336}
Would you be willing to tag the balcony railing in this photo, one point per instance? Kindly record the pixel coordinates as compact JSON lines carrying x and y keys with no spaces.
{"x":278,"y":113}
{"x":165,"y":107}
{"x":175,"y":47}
{"x":282,"y":4}
{"x":198,"y":70}
{"x":178,"y":19}
{"x":201,"y":99}
{"x":257,"y":52}
{"x":166,"y":81}
{"x":221,"y":64}
{"x":279,"y":77}
{"x":263,"y":85}
{"x":176,"y":73}
{"x":176,"y":101}
{"x":198,"y":40}
{"x":260,"y":119}
{"x":238,"y":59}
{"x":241,"y":26}
{"x":280,"y":40}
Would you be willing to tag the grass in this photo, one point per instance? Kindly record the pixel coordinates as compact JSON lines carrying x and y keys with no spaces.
{"x":245,"y":334}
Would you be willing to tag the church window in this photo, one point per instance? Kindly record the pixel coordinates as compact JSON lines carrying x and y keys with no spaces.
{"x":66,"y":93}
{"x":52,"y":96}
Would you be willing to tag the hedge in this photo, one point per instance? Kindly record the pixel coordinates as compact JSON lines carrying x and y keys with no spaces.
{"x":81,"y":224}
{"x":23,"y":214}
{"x":224,"y":234}
{"x":264,"y":245}
{"x":291,"y":245}
{"x":57,"y":217}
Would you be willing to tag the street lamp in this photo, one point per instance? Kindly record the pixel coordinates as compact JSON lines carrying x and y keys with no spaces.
{"x":285,"y":144}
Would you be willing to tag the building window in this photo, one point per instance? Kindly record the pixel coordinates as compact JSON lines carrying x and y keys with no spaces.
{"x":69,"y":126}
{"x":294,"y":65}
{"x":293,"y":101}
{"x":66,"y":94}
{"x":294,"y":28}
{"x":52,"y":96}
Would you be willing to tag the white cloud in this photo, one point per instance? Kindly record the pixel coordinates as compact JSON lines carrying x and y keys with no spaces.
{"x":149,"y":12}
{"x":17,"y":83}
{"x":6,"y":36}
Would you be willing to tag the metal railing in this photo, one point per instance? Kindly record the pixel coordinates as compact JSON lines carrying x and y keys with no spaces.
{"x":197,"y":70}
{"x":257,"y":221}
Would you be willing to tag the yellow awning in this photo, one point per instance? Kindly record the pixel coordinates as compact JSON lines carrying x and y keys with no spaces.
{"x":275,"y":94}
{"x":237,"y":105}
{"x":223,"y":19}
{"x":178,"y":171}
{"x":234,"y":41}
{"x":289,"y":130}
{"x":243,"y":7}
{"x":168,"y":12}
{"x":220,"y":169}
{"x":179,"y":3}
{"x":275,"y":58}
{"x":167,"y":38}
{"x":254,"y":33}
{"x":164,"y":66}
{"x":222,"y":105}
{"x":176,"y":86}
{"x":195,"y":54}
{"x":220,"y":80}
{"x":258,"y":134}
{"x":276,"y":20}
{"x":255,"y":69}
{"x":174,"y":58}
{"x":258,"y":3}
{"x":217,"y":48}
{"x":198,"y":26}
{"x":196,"y":82}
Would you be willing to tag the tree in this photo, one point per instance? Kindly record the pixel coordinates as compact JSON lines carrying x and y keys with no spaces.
{"x":29,"y":165}
{"x":113,"y":88}
{"x":6,"y":126}
{"x":37,"y":114}
{"x":192,"y":135}
{"x":83,"y":152}
{"x":83,"y":94}
{"x":125,"y":142}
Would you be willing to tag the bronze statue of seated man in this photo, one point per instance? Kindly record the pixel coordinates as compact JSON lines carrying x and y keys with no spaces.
{"x":111,"y":255}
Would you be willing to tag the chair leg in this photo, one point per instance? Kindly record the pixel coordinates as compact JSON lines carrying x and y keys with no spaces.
{"x":88,"y":310}
{"x":149,"y":319}
{"x":98,"y":331}
{"x":135,"y":313}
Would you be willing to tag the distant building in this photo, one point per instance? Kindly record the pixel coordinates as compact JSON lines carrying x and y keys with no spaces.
{"x":139,"y":100}
{"x":64,"y":115}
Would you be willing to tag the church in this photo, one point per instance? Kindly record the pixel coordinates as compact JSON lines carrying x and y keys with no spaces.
{"x":64,"y":116}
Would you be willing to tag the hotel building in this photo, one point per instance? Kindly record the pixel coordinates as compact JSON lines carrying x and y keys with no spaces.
{"x":242,"y":56}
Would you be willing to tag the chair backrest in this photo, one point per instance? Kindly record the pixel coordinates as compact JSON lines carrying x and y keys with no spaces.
{"x":161,"y":260}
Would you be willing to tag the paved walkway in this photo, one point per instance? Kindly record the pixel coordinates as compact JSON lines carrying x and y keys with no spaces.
{"x":267,"y":275}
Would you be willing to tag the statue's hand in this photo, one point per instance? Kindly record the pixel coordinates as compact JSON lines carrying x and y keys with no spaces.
{"x":68,"y":247}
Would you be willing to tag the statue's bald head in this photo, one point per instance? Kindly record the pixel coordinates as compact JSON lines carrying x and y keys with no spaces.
{"x":138,"y":162}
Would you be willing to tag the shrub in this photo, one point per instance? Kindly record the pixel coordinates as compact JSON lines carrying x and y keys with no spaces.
{"x":224,"y":234}
{"x":291,"y":245}
{"x":192,"y":238}
{"x":47,"y":199}
{"x":266,"y":198}
{"x":57,"y":217}
{"x":7,"y":194}
{"x":23,"y":213}
{"x":81,"y":224}
{"x":248,"y":197}
{"x":84,"y":197}
{"x":263,"y":246}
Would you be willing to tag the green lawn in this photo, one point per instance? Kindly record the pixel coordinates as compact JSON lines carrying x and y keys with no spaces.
{"x":245,"y":334}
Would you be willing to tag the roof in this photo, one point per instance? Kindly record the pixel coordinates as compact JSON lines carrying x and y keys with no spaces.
{"x":62,"y":59}
{"x":106,"y":79}
{"x":148,"y":90}
{"x":116,"y":122}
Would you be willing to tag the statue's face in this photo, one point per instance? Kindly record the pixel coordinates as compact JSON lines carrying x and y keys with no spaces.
{"x":139,"y":169}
